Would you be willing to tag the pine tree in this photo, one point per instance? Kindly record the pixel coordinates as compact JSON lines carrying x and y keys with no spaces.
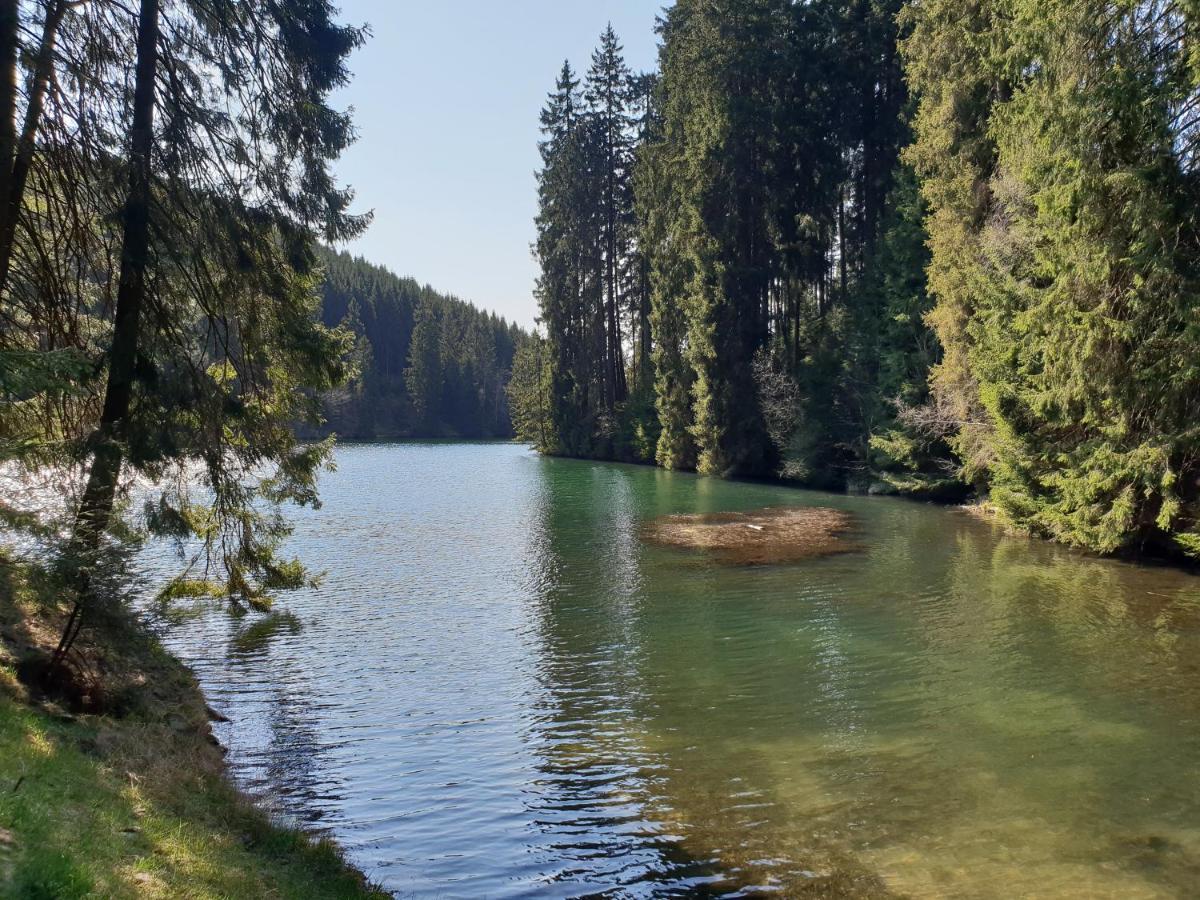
{"x":1004,"y":305}
{"x":529,"y":394}
{"x":959,"y":74}
{"x":719,"y":67}
{"x":667,"y":277}
{"x":424,"y":376}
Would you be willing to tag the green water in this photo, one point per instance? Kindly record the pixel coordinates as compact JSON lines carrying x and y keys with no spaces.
{"x":500,"y":691}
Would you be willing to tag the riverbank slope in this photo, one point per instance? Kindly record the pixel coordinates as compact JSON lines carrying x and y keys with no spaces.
{"x":119,"y":790}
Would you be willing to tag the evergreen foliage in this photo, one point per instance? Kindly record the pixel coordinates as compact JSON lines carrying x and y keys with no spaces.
{"x":1059,"y":164}
{"x":594,"y":289}
{"x":165,"y":177}
{"x":166,"y":187}
{"x":426,"y":364}
{"x":764,"y":152}
{"x":988,"y":285}
{"x":529,"y":393}
{"x":164,"y":190}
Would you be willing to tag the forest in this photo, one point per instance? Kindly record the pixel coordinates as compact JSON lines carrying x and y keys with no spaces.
{"x":936,"y":249}
{"x":425,"y":364}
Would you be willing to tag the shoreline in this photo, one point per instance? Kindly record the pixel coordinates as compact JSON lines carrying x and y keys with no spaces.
{"x":971,"y":504}
{"x":124,"y":791}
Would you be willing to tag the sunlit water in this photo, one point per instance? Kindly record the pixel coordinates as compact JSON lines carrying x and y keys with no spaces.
{"x":499,"y":691}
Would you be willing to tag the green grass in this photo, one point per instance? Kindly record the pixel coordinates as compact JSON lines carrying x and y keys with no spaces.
{"x":137,"y":805}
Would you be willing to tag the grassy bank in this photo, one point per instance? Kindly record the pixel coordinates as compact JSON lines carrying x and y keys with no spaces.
{"x":132,"y":801}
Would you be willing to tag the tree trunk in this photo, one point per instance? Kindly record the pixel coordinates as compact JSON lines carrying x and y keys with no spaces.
{"x":842,"y":237}
{"x":95,"y":510}
{"x":9,"y":24}
{"x":15,"y":162}
{"x":610,"y":266}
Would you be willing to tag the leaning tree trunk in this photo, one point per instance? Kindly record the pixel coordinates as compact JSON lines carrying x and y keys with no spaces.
{"x":95,"y":509}
{"x":16,"y":155}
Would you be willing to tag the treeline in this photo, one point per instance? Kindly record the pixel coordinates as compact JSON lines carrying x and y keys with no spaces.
{"x":927,"y":248}
{"x":427,"y":365}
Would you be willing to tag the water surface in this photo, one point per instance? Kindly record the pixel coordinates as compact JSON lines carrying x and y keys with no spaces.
{"x":500,"y":691}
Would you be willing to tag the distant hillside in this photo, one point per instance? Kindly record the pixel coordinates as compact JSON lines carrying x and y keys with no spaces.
{"x":431,"y":365}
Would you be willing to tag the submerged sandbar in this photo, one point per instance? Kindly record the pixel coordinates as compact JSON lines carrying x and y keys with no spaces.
{"x":755,"y":537}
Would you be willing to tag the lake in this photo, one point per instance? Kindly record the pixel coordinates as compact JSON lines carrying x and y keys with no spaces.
{"x":500,"y":690}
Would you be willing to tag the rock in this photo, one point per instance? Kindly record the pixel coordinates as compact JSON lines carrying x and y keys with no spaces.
{"x":213,"y":715}
{"x":7,"y":838}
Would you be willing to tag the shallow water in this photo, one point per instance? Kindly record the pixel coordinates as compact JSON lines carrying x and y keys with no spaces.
{"x":500,"y":691}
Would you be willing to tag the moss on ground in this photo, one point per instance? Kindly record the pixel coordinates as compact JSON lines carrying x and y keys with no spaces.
{"x":134,"y":802}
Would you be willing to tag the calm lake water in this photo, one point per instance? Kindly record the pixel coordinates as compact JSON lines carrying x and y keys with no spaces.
{"x":500,"y":691}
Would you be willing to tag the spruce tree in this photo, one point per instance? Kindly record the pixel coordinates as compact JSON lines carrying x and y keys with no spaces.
{"x":1063,"y":259}
{"x":561,"y":250}
{"x":195,"y":283}
{"x":424,"y":376}
{"x":607,"y":92}
{"x":719,"y":68}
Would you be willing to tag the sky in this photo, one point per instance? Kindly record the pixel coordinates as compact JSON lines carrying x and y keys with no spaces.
{"x":446,"y":97}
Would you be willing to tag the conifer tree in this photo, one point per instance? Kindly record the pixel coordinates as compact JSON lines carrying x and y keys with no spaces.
{"x":423,"y":377}
{"x":1007,"y":304}
{"x":607,"y":92}
{"x":529,"y":394}
{"x":196,"y":279}
{"x":562,"y":251}
{"x":1060,"y":184}
{"x":718,"y":70}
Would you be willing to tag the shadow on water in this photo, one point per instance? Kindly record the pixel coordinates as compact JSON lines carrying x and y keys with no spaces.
{"x":256,"y":636}
{"x":285,"y":757}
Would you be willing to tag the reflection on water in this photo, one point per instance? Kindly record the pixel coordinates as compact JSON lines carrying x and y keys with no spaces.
{"x":500,"y":691}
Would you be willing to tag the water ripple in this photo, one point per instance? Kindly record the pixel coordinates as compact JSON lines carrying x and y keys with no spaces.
{"x":500,"y":691}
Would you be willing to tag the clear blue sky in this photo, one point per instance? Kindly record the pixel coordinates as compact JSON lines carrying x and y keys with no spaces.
{"x":446,"y":96}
